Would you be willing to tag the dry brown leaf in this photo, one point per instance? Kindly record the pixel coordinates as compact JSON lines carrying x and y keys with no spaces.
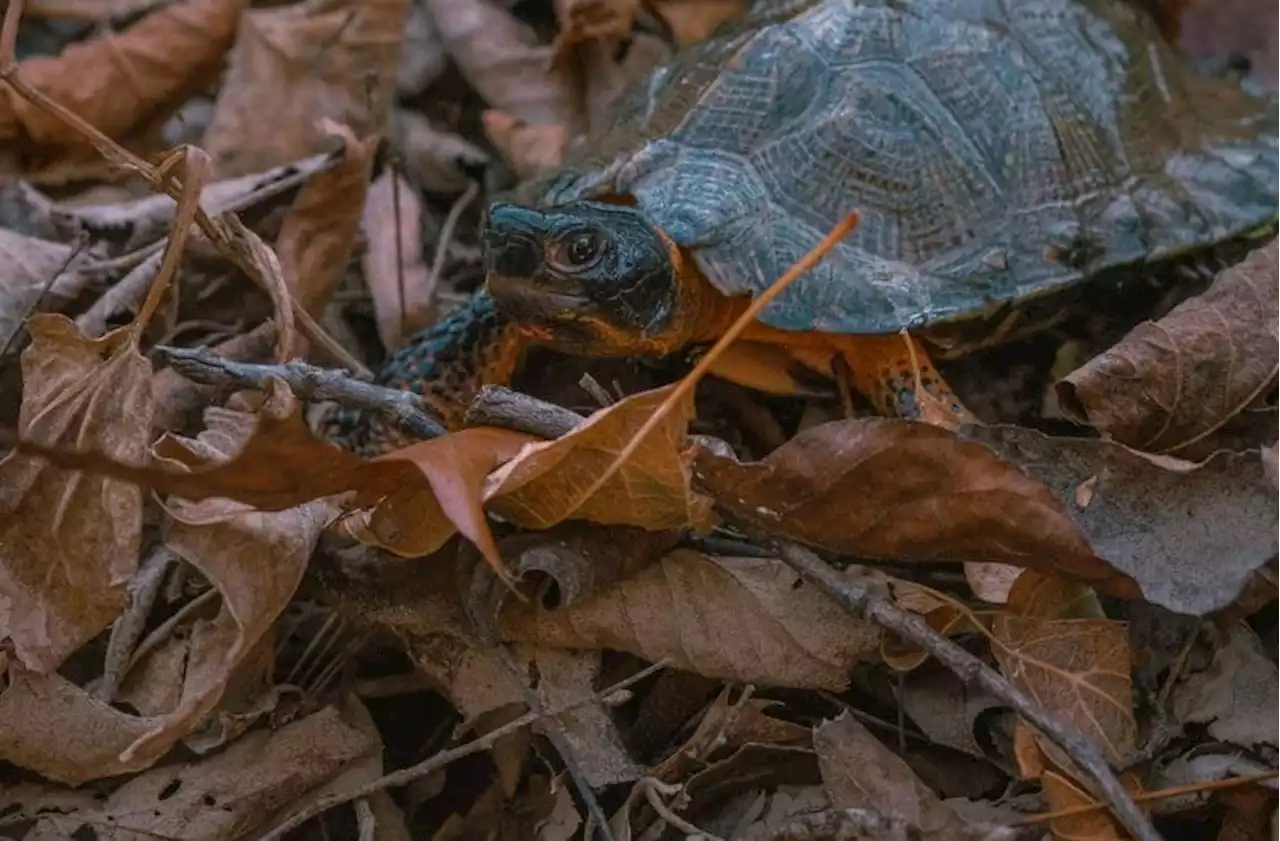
{"x":548,"y":482}
{"x":945,"y":709}
{"x":53,"y":727}
{"x":923,"y":494}
{"x":531,"y":149}
{"x":254,"y":559}
{"x":121,"y":82}
{"x":1235,"y":695}
{"x":1053,"y":598}
{"x":89,"y":11}
{"x":1061,"y":792}
{"x":435,"y":160}
{"x":400,"y":282}
{"x":30,"y":267}
{"x":1078,"y":671}
{"x":743,"y":619}
{"x":729,"y":725}
{"x":592,"y":734}
{"x":293,"y":66}
{"x":419,"y":518}
{"x":318,"y":233}
{"x":501,"y":59}
{"x":226,"y":795}
{"x":1157,"y":519}
{"x":69,"y":541}
{"x":859,"y":772}
{"x":1172,"y":382}
{"x":693,"y":20}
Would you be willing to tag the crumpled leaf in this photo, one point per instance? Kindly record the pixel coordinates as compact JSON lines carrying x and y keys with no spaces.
{"x":319,"y":231}
{"x":549,"y":481}
{"x":69,"y":541}
{"x":30,"y":267}
{"x":1235,"y":695}
{"x":501,"y":59}
{"x":1170,"y":383}
{"x":299,"y":64}
{"x":859,"y":772}
{"x":119,"y":82}
{"x":1060,"y":793}
{"x":742,"y":619}
{"x":922,"y":494}
{"x":400,"y":282}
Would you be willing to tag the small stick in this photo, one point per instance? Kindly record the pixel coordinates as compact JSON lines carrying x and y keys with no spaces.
{"x":403,"y":408}
{"x":860,"y":600}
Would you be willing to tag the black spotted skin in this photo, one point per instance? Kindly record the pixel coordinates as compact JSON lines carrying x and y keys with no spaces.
{"x":447,"y":363}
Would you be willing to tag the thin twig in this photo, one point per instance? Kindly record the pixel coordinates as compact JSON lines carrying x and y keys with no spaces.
{"x":653,"y":790}
{"x":861,"y":600}
{"x":415,"y":772}
{"x":403,"y":408}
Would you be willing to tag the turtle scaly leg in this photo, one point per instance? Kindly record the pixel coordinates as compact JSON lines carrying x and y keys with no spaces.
{"x":895,"y":374}
{"x":447,"y":363}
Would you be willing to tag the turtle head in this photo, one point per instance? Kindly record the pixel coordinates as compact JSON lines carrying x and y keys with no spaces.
{"x":586,"y":277}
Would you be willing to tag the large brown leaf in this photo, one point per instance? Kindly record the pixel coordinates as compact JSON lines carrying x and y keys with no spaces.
{"x":743,"y":619}
{"x":909,"y":491}
{"x":1172,"y":382}
{"x":69,"y":541}
{"x":120,"y":82}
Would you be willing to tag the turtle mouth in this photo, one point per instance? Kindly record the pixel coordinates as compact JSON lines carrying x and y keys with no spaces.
{"x":522,"y":299}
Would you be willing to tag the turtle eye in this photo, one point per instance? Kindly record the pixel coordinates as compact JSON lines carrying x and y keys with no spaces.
{"x":578,"y":251}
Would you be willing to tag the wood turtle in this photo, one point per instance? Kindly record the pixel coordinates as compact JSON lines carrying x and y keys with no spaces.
{"x":997,"y":151}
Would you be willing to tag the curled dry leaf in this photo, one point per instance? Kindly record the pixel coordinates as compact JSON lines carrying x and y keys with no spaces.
{"x":69,"y":541}
{"x":531,"y":149}
{"x":909,"y":491}
{"x":1060,"y":793}
{"x":120,"y":82}
{"x":859,"y":772}
{"x":501,"y":59}
{"x":299,"y":64}
{"x":418,"y":519}
{"x":1172,"y":382}
{"x":400,"y":283}
{"x":743,"y":619}
{"x":318,"y":233}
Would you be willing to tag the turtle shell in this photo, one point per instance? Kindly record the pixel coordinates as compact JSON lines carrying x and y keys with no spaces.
{"x":996,"y":151}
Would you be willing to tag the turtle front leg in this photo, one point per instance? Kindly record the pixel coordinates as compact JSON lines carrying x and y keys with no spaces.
{"x":894,"y":372}
{"x":447,"y":363}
